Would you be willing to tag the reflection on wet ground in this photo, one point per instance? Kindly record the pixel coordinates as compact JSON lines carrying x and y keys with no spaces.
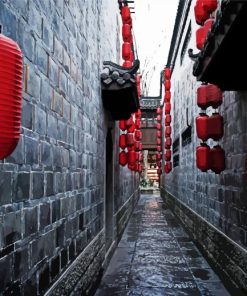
{"x":156,"y":257}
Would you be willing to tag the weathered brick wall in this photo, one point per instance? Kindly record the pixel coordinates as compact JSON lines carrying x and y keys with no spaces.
{"x":219,"y":199}
{"x":52,"y":187}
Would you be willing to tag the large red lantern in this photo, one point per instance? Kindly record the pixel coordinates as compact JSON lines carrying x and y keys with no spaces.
{"x":167,"y":85}
{"x":167,"y":97}
{"x":168,"y":143}
{"x":203,"y":157}
{"x":209,"y":95}
{"x":167,"y":73}
{"x":202,"y":126}
{"x":201,"y":15}
{"x":130,"y":139}
{"x":127,"y":64}
{"x":167,"y":108}
{"x":209,"y":5}
{"x":122,"y":141}
{"x":131,"y":129}
{"x":122,"y":125}
{"x":168,"y":155}
{"x":126,"y":33}
{"x":10,"y":95}
{"x":131,"y":157}
{"x":215,"y":126}
{"x":138,"y":135}
{"x":168,"y":120}
{"x":126,"y":14}
{"x":217,"y":155}
{"x":168,"y":131}
{"x":123,"y":159}
{"x":126,"y":50}
{"x":202,"y":33}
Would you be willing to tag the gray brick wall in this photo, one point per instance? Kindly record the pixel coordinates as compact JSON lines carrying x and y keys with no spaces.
{"x":52,"y":187}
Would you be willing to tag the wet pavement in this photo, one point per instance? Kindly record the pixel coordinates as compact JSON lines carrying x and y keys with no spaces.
{"x":156,"y":257}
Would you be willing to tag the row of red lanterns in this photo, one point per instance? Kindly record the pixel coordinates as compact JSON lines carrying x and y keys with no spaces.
{"x":10,"y":95}
{"x":127,"y":47}
{"x":168,"y":119}
{"x":158,"y":140}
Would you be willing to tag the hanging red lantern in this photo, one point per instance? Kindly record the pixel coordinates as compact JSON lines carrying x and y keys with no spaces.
{"x":131,"y":157}
{"x":167,"y":108}
{"x":129,"y":122}
{"x":123,"y":159}
{"x":202,"y":126}
{"x":158,"y":134}
{"x":122,"y":141}
{"x":167,"y":73}
{"x":168,"y":131}
{"x":158,"y":111}
{"x":167,"y":85}
{"x":138,"y":124}
{"x":209,"y":5}
{"x":201,"y":15}
{"x":138,"y":135}
{"x":127,"y":64}
{"x":167,"y":97}
{"x":209,"y":95}
{"x":131,"y":129}
{"x":217,"y":155}
{"x":203,"y":157}
{"x":168,"y":120}
{"x":138,"y":114}
{"x":215,"y":126}
{"x":159,"y":118}
{"x":126,"y":50}
{"x":168,"y":155}
{"x":158,"y":156}
{"x":168,"y":143}
{"x":130,"y":139}
{"x":126,"y":33}
{"x":158,"y":126}
{"x":131,"y":167}
{"x":158,"y":141}
{"x":168,"y":167}
{"x":126,"y":14}
{"x":202,"y":33}
{"x":10,"y":95}
{"x":137,"y":145}
{"x":158,"y":148}
{"x":122,"y":125}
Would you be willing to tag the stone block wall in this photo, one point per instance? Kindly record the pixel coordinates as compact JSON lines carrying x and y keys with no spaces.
{"x":220,"y":200}
{"x":52,"y":188}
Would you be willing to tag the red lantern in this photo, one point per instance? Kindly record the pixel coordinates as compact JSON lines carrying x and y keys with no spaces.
{"x":168,"y":167}
{"x":123,"y":159}
{"x":167,"y":97}
{"x":126,"y":33}
{"x":159,"y":111}
{"x":217,"y":155}
{"x":202,"y":33}
{"x":167,"y":73}
{"x":122,"y":141}
{"x":138,"y":124}
{"x":203,"y":157}
{"x":126,"y":15}
{"x":127,"y":64}
{"x":168,"y":131}
{"x":209,"y":5}
{"x":137,"y":143}
{"x":131,"y":166}
{"x":158,"y":156}
{"x":131,"y":129}
{"x":131,"y":148}
{"x":130,"y":139}
{"x":159,"y":118}
{"x":158,"y":141}
{"x":138,"y":135}
{"x":168,"y":143}
{"x":122,"y":125}
{"x":215,"y":126}
{"x":201,"y":15}
{"x":129,"y":122}
{"x":167,"y":108}
{"x":158,"y":126}
{"x":167,"y":85}
{"x":158,"y":134}
{"x":209,"y":95}
{"x":138,"y":114}
{"x":158,"y":164}
{"x":10,"y":95}
{"x":168,"y":120}
{"x":202,"y":126}
{"x":168,"y":155}
{"x":126,"y":50}
{"x":159,"y":148}
{"x":131,"y":157}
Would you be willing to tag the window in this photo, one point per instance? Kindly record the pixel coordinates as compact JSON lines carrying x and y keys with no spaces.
{"x":175,"y":151}
{"x":186,"y":136}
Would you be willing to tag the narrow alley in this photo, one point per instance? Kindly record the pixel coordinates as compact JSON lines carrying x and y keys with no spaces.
{"x":156,"y":257}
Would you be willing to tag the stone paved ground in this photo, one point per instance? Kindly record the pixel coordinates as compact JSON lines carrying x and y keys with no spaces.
{"x":156,"y":257}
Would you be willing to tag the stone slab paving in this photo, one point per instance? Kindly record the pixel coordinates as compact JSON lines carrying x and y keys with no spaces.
{"x":156,"y":257}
